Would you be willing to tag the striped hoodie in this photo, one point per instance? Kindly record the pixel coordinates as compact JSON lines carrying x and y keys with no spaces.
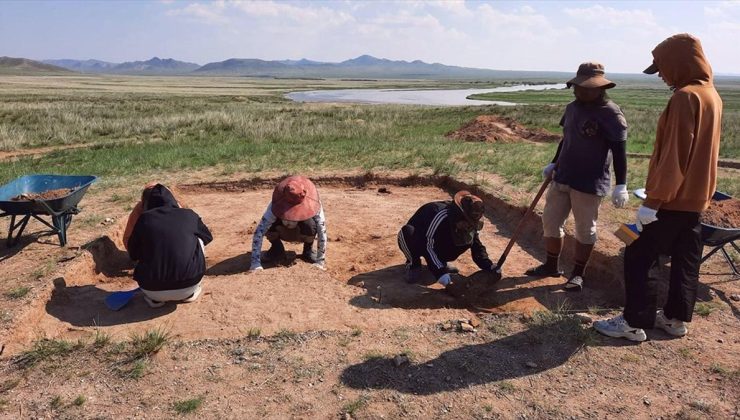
{"x":433,"y":224}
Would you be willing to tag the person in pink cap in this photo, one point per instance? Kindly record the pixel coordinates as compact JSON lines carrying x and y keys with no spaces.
{"x":294,"y":215}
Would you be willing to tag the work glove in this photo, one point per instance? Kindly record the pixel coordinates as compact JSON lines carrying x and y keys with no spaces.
{"x":645,"y":216}
{"x":255,"y":267}
{"x":549,"y":171}
{"x":620,"y":196}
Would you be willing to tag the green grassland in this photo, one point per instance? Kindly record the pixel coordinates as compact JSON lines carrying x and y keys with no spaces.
{"x":146,"y":125}
{"x":641,"y":106}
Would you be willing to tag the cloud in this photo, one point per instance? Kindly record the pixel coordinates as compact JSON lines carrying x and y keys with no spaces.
{"x":598,"y":14}
{"x":455,"y":7}
{"x":724,"y":10}
{"x":211,"y":13}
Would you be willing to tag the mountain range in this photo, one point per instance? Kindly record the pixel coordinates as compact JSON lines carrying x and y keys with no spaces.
{"x":364,"y":66}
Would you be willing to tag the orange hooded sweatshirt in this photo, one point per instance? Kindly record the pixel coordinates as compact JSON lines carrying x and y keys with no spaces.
{"x":683,"y":168}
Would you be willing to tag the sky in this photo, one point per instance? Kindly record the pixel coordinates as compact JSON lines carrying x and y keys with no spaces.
{"x":504,"y":35}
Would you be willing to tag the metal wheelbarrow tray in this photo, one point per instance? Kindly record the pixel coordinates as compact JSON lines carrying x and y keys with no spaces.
{"x":60,"y":209}
{"x":718,"y":237}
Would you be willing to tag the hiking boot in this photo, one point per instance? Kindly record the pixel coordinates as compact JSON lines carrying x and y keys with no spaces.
{"x":451,"y":269}
{"x":544,"y":271}
{"x":617,"y":327}
{"x":276,"y":253}
{"x":308,"y":254}
{"x":413,"y":274}
{"x":673,"y":327}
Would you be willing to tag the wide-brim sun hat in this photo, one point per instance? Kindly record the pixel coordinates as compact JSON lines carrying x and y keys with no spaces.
{"x":295,"y":199}
{"x":471,"y":205}
{"x":591,"y":75}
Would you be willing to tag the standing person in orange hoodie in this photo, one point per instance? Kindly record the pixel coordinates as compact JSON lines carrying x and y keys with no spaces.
{"x":681,"y":180}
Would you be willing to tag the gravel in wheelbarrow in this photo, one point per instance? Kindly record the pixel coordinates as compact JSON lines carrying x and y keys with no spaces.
{"x":44,"y":195}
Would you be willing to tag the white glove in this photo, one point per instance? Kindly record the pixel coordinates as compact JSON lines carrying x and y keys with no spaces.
{"x":549,"y":171}
{"x":620,"y":196}
{"x":255,"y":267}
{"x":445,"y":279}
{"x":645,"y":216}
{"x":321,"y":265}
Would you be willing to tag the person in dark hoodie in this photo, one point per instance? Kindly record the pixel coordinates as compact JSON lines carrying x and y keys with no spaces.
{"x":440,"y":232}
{"x":594,"y":135}
{"x":167,"y":243}
{"x":681,"y":180}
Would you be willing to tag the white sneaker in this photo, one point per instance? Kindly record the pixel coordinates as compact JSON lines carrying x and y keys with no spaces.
{"x":673,"y":327}
{"x":617,"y":327}
{"x":153,"y":303}
{"x":194,"y":296}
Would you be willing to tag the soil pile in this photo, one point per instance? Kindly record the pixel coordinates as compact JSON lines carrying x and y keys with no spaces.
{"x":495,"y":129}
{"x":724,"y":214}
{"x":45,"y":195}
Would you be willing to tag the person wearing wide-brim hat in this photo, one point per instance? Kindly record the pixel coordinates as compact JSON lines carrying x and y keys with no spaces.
{"x":593,"y":126}
{"x":295,"y":214}
{"x":440,"y":232}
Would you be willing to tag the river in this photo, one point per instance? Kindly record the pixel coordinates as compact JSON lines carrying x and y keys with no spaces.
{"x":449,"y":97}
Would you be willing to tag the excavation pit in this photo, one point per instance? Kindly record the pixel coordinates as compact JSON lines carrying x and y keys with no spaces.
{"x":363,"y":287}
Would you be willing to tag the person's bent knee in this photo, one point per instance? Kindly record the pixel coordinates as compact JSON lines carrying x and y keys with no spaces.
{"x":553,"y":231}
{"x":586,"y":238}
{"x":408,"y":231}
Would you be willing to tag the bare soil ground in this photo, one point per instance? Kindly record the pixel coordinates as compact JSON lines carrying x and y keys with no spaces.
{"x":496,"y":129}
{"x":294,"y":341}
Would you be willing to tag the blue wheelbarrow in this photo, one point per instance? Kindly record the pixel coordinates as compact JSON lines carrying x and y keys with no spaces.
{"x":61,"y":209}
{"x":713,"y":236}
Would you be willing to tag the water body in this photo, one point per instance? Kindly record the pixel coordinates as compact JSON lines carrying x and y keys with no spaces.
{"x":450,"y":97}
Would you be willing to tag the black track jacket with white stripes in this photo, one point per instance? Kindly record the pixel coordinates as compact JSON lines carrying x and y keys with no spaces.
{"x":433,"y":224}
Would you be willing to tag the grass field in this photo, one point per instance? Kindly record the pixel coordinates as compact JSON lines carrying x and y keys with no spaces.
{"x":141,"y":125}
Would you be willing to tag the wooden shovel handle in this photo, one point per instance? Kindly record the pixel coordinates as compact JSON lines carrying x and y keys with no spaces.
{"x":518,"y":229}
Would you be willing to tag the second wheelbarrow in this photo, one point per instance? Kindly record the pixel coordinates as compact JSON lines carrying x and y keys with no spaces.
{"x":22,"y":198}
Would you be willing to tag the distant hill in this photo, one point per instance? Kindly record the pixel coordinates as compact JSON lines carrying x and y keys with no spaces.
{"x":83,"y":66}
{"x":24,"y":66}
{"x":364,"y":66}
{"x":154,"y":65}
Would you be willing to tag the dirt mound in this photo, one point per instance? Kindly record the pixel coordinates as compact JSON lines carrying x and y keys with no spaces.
{"x":723,"y":214}
{"x":495,"y":129}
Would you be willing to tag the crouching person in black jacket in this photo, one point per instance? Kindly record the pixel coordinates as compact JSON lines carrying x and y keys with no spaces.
{"x":167,"y":244}
{"x":440,"y":232}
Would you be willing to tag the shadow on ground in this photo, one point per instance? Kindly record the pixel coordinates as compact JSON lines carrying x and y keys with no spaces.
{"x":526,"y":353}
{"x":386,"y":288}
{"x":109,"y":260}
{"x":84,"y":306}
{"x":22,"y":242}
{"x":241,"y":263}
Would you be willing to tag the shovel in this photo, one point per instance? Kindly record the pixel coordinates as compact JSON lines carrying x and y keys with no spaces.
{"x":497,"y":271}
{"x":118,"y":300}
